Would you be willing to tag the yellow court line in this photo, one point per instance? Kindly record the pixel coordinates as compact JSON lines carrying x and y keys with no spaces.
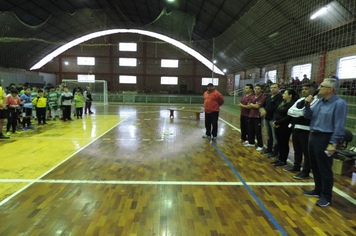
{"x":41,"y":176}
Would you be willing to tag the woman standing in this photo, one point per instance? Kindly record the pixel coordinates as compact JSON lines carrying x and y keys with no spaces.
{"x":283,"y":129}
{"x":88,"y":100}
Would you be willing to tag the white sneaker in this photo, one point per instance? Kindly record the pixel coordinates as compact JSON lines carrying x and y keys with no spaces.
{"x":246,"y":142}
{"x":249,"y":145}
{"x":259,"y":149}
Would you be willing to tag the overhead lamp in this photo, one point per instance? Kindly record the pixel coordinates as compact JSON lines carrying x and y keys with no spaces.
{"x":224,"y":70}
{"x":272,"y":35}
{"x":170,"y":0}
{"x":318,"y":13}
{"x":214,"y":61}
{"x":66,"y":63}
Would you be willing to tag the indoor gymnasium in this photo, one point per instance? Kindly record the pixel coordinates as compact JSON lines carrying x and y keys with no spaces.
{"x":129,"y":117}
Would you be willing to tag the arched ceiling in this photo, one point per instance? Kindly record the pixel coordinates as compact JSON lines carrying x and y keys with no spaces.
{"x":64,"y":20}
{"x":239,"y":34}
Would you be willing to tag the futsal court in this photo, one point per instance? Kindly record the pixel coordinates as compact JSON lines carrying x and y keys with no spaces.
{"x":132,"y":170}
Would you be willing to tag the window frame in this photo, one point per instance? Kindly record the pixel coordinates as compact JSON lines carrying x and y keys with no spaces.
{"x":302,"y":73}
{"x":275,"y":79}
{"x":126,"y":64}
{"x":338,"y":66}
{"x":85,"y":80}
{"x":167,"y":77}
{"x":163,"y":61}
{"x":127,"y":50}
{"x":127,"y":76}
{"x":207,"y":82}
{"x":85,"y":64}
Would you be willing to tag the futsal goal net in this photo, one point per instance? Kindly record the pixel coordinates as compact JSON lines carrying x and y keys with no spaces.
{"x":98,"y":88}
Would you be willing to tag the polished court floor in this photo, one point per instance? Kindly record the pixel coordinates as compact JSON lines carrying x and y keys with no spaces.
{"x":131,"y":170}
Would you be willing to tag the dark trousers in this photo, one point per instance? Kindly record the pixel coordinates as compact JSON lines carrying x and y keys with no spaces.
{"x":211,"y":119}
{"x":11,"y":119}
{"x":300,"y":144}
{"x":255,"y":130}
{"x":26,"y":117}
{"x":79,"y":111}
{"x":283,"y":135}
{"x":87,"y":107}
{"x":271,"y":136}
{"x":321,"y":164}
{"x":66,"y":112}
{"x":244,"y":127}
{"x":41,"y":114}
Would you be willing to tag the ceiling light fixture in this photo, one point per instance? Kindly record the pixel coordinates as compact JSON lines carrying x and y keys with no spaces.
{"x":318,"y":13}
{"x":66,"y":63}
{"x":274,"y":34}
{"x":214,"y":61}
{"x":224,"y":70}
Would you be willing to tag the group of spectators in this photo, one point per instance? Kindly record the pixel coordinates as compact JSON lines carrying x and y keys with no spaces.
{"x":49,"y":103}
{"x":316,"y":126}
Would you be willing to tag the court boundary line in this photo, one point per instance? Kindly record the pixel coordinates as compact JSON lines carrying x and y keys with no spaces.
{"x":336,"y":190}
{"x":47,"y":172}
{"x":134,"y":182}
{"x":258,"y":201}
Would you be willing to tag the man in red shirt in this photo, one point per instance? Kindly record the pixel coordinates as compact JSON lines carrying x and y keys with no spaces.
{"x":212,"y":102}
{"x":255,"y":120}
{"x":245,"y":112}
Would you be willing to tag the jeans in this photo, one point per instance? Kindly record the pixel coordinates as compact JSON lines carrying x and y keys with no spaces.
{"x":271,"y":136}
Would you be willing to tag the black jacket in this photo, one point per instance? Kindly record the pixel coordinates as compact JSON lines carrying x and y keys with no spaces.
{"x":271,"y":105}
{"x":281,"y":117}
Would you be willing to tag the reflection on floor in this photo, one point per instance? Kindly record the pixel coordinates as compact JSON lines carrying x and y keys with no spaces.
{"x":131,"y":170}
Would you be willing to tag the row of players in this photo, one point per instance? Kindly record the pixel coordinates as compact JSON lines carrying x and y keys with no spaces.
{"x":39,"y":104}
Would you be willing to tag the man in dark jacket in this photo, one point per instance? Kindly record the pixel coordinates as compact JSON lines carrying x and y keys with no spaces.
{"x":267,"y":110}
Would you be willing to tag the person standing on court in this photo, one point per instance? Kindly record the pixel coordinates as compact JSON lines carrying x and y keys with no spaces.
{"x":282,"y":126}
{"x":255,"y":121}
{"x":245,"y":112}
{"x":327,"y":128}
{"x":212,"y":102}
{"x":2,"y":112}
{"x":267,"y":110}
{"x":300,"y":133}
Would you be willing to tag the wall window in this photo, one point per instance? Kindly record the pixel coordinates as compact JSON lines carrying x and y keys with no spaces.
{"x":206,"y":81}
{"x":169,"y":63}
{"x":271,"y":75}
{"x":127,"y":79}
{"x":300,"y":70}
{"x":347,"y":67}
{"x":86,"y":78}
{"x":127,"y":62}
{"x":128,"y":47}
{"x":86,"y":61}
{"x":167,"y":80}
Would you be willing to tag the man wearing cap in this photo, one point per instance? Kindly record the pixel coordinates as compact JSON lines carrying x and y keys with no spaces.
{"x":212,"y":102}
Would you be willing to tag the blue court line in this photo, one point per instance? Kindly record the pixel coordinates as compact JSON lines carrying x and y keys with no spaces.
{"x":269,"y":215}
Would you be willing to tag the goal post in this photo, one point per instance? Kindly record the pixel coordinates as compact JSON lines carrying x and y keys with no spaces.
{"x":99,"y":89}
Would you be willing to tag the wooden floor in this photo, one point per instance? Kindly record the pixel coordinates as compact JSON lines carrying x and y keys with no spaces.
{"x":131,"y":170}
